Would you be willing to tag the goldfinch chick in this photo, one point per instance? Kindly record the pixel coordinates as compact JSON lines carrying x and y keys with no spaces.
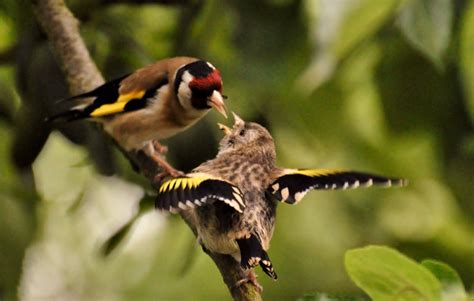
{"x":232,"y":198}
{"x":152,"y":103}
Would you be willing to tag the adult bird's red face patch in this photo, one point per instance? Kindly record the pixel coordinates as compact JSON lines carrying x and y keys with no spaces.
{"x":211,"y":82}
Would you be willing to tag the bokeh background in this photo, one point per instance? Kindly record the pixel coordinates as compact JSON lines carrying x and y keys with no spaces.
{"x":381,"y":86}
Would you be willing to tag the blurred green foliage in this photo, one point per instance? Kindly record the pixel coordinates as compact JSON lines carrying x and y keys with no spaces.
{"x":383,"y":86}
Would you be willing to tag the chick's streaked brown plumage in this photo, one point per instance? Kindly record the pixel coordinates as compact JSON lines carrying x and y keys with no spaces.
{"x":232,"y":198}
{"x":153,"y":103}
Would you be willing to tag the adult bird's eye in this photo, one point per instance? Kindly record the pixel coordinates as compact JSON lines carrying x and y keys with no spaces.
{"x":242,"y":132}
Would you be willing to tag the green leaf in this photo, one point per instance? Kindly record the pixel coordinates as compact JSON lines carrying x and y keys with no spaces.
{"x":427,"y":26}
{"x":386,"y":274}
{"x":466,"y":57}
{"x":442,"y":271}
{"x":453,"y":288}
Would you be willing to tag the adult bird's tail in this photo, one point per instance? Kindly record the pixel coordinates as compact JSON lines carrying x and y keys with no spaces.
{"x":103,"y":96}
{"x":70,"y":115}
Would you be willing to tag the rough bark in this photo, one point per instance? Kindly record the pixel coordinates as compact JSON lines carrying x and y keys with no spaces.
{"x":72,"y":55}
{"x":81,"y":73}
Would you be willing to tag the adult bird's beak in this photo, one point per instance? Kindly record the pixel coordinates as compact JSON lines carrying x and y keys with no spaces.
{"x":217,"y":101}
{"x":224,"y":128}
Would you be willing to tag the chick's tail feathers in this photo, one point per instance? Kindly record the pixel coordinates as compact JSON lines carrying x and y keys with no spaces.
{"x":252,"y":254}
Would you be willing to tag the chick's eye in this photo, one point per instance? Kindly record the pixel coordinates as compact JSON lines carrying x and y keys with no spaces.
{"x":242,"y":132}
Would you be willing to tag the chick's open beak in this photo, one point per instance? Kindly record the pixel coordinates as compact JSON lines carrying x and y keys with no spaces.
{"x":224,"y":128}
{"x":217,"y":101}
{"x":237,"y":119}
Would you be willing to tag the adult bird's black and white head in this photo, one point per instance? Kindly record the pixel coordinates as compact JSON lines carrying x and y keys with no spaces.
{"x":198,"y":85}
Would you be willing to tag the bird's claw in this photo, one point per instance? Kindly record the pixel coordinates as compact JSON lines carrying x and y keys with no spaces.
{"x":174,"y":173}
{"x":162,"y":149}
{"x":252,"y":278}
{"x":159,"y":177}
{"x":155,"y":151}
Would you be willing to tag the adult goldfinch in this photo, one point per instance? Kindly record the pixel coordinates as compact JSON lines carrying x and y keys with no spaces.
{"x":232,"y":198}
{"x":152,"y":103}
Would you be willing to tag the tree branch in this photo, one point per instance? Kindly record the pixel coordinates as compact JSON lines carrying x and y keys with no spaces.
{"x":72,"y":55}
{"x":62,"y":30}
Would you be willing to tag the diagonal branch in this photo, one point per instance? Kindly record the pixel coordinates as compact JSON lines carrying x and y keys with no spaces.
{"x":72,"y":55}
{"x":82,"y":75}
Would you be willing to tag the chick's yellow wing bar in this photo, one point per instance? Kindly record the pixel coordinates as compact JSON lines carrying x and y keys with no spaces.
{"x":293,"y":184}
{"x":196,"y":190}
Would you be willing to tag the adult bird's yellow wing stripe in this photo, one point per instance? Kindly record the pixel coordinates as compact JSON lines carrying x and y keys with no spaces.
{"x":118,"y":106}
